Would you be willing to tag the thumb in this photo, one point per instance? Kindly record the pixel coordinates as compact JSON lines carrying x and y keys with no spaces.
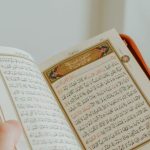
{"x":9,"y":134}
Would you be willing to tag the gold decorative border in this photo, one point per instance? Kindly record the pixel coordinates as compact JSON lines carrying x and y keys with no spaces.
{"x":45,"y":73}
{"x":79,"y":57}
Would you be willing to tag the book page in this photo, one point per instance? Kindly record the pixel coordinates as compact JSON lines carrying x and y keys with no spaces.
{"x":105,"y":94}
{"x":26,"y":97}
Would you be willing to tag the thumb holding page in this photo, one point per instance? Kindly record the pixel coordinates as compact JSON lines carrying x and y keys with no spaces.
{"x":9,"y":134}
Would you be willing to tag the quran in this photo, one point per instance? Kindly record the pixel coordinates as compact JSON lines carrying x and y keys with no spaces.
{"x":95,"y":96}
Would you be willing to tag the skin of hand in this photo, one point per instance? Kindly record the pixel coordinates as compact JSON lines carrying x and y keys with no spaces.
{"x":10,"y":132}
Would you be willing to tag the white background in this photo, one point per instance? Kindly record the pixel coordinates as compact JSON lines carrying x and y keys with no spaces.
{"x":45,"y":27}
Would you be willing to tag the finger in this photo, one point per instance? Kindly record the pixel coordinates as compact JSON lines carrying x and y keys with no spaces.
{"x":9,"y":134}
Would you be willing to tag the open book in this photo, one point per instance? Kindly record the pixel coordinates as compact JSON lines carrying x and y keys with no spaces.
{"x":94,"y":97}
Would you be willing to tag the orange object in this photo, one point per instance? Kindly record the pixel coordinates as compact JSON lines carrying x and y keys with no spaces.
{"x":136,"y":53}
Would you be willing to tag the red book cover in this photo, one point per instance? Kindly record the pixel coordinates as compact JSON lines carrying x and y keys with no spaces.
{"x":136,"y":53}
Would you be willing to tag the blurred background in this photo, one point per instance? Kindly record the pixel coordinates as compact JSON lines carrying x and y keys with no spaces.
{"x":46,"y":27}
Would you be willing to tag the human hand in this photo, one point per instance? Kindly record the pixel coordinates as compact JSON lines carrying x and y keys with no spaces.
{"x":9,"y":134}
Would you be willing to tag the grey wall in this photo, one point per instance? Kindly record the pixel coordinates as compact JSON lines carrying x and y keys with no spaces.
{"x":45,"y":27}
